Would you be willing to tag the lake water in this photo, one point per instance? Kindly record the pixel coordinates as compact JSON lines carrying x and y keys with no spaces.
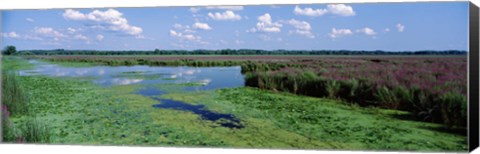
{"x":209,"y":77}
{"x":200,"y":78}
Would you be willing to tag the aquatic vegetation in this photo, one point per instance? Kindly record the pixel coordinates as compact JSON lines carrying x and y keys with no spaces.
{"x":17,"y":104}
{"x":343,"y":113}
{"x":413,"y":84}
{"x":339,"y":125}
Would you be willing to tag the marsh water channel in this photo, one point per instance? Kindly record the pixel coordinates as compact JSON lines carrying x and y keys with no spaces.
{"x":151,"y":77}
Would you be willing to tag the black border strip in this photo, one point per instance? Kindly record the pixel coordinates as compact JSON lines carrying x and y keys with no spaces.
{"x":473,"y":129}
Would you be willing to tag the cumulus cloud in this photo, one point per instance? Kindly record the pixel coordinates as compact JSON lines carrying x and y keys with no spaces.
{"x":309,"y":11}
{"x":100,"y":37}
{"x":74,"y":15}
{"x":111,"y":17}
{"x":227,"y":15}
{"x":387,"y":29}
{"x":49,"y":32}
{"x":232,"y":8}
{"x":305,"y":33}
{"x":265,"y":24}
{"x":340,"y":32}
{"x":80,"y":37}
{"x":299,"y":24}
{"x":202,"y":26}
{"x":340,"y":9}
{"x":189,"y":29}
{"x":11,"y":35}
{"x":71,"y":30}
{"x":194,"y":9}
{"x":30,"y":20}
{"x":301,"y":28}
{"x":336,"y":9}
{"x":367,"y":31}
{"x":14,"y":35}
{"x":179,"y":26}
{"x":182,"y":36}
{"x":400,"y":27}
{"x":236,"y":8}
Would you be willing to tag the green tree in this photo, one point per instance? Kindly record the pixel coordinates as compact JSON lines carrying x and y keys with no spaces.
{"x":9,"y":50}
{"x":157,"y":51}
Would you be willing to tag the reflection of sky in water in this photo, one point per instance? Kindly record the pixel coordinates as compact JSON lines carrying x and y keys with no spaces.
{"x":210,"y":77}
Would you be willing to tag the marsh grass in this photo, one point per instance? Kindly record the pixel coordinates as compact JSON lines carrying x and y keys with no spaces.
{"x":338,"y":125}
{"x":323,"y":78}
{"x":13,"y":94}
{"x":35,"y":131}
{"x":119,"y":116}
{"x":16,"y":104}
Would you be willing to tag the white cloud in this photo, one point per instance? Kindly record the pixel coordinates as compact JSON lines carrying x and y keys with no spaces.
{"x":11,"y":35}
{"x":232,"y":8}
{"x":30,"y":20}
{"x":235,"y":8}
{"x":340,"y":32}
{"x":71,"y":30}
{"x":80,"y":37}
{"x":194,"y":9}
{"x":29,"y":37}
{"x":179,"y":26}
{"x":265,"y":37}
{"x":100,"y":37}
{"x":203,"y":26}
{"x":187,"y":28}
{"x":302,"y":28}
{"x":299,"y":24}
{"x":340,"y":9}
{"x":336,"y":9}
{"x":49,"y":32}
{"x":305,"y":33}
{"x":387,"y":29}
{"x":265,"y":24}
{"x":400,"y":27}
{"x":14,"y":35}
{"x":309,"y":11}
{"x":74,"y":15}
{"x":113,"y":18}
{"x":367,"y":31}
{"x":182,"y":36}
{"x":227,"y":15}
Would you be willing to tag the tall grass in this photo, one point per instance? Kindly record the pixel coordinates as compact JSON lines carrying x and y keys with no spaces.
{"x":13,"y":94}
{"x":15,"y":103}
{"x":35,"y":131}
{"x":414,"y":85}
{"x":449,"y":108}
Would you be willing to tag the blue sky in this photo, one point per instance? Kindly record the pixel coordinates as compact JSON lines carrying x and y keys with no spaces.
{"x":368,"y":26}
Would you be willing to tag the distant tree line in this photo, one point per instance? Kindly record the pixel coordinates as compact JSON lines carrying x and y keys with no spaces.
{"x":237,"y":52}
{"x":9,"y":50}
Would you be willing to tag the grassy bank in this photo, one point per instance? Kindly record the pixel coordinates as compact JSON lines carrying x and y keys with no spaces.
{"x":432,"y":89}
{"x":19,"y":119}
{"x":339,"y":125}
{"x":80,"y":112}
{"x":449,"y":108}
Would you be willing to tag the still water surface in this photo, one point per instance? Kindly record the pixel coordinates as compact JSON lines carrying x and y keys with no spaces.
{"x":202,"y":78}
